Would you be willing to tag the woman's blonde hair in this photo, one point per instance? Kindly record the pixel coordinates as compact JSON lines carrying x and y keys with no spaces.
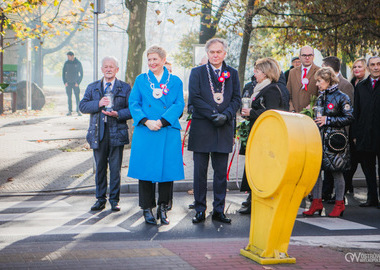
{"x":364,"y":62}
{"x":327,"y":74}
{"x":157,"y":49}
{"x":269,"y":67}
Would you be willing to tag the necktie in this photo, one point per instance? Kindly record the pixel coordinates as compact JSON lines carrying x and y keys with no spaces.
{"x":304,"y":77}
{"x":108,"y":85}
{"x":217,"y":72}
{"x":374,"y":83}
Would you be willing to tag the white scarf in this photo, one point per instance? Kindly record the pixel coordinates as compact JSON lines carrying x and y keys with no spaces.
{"x":259,"y":87}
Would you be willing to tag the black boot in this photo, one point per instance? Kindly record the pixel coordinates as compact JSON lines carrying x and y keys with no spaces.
{"x":148,"y":215}
{"x":247,"y":201}
{"x":161,"y":214}
{"x":245,"y":210}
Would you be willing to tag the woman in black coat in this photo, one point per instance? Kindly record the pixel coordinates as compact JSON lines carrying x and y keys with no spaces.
{"x":334,"y":113}
{"x":266,"y":95}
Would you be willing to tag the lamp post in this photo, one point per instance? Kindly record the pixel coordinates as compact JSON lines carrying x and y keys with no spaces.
{"x":99,"y":8}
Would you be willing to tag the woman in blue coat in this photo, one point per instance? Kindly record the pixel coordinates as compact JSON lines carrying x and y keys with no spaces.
{"x":156,"y":104}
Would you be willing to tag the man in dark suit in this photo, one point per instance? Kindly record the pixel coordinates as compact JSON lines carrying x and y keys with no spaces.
{"x":214,"y":92}
{"x":346,"y":87}
{"x":107,"y":102}
{"x":366,"y":127}
{"x":301,"y":83}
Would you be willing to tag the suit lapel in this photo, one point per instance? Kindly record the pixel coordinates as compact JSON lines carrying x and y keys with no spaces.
{"x":298,"y":73}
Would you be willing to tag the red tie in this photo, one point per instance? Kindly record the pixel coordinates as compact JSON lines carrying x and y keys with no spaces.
{"x":373,"y":84}
{"x":304,"y":76}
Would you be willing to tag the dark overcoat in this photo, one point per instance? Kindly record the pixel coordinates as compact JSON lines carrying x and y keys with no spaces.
{"x":366,"y":126}
{"x":204,"y":136}
{"x":118,"y":126}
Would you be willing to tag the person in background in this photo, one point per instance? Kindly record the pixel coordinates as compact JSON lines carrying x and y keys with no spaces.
{"x":335,"y":114}
{"x":265,"y":95}
{"x":108,"y":130}
{"x":366,"y":128}
{"x":72,"y":75}
{"x":296,"y":62}
{"x":359,"y":73}
{"x":156,"y":104}
{"x":301,"y":82}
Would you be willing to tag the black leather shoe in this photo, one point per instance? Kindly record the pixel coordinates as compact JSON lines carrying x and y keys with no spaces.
{"x":192,"y":205}
{"x":247,"y":202}
{"x":199,"y":217}
{"x":245,"y":210}
{"x":115,"y":206}
{"x":161,"y":214}
{"x":369,"y":204}
{"x":99,"y":205}
{"x":218,"y":216}
{"x":149,"y":218}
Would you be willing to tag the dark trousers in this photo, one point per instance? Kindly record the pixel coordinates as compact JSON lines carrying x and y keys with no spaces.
{"x":69,"y":90}
{"x":219,"y":164}
{"x":113,"y":156}
{"x":368,"y":162}
{"x":355,"y":160}
{"x":147,"y":193}
{"x":328,"y":184}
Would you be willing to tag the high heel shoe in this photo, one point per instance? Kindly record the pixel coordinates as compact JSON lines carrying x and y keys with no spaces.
{"x":316,"y":206}
{"x":338,"y":209}
{"x":148,"y":216}
{"x":161,"y":214}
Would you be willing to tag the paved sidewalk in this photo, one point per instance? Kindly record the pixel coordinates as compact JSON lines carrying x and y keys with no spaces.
{"x":204,"y":254}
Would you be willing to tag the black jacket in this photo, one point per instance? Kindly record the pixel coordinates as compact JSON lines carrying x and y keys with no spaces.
{"x":281,"y":84}
{"x":366,"y":127}
{"x":268,"y":98}
{"x":72,"y":72}
{"x":337,"y":107}
{"x":204,"y":136}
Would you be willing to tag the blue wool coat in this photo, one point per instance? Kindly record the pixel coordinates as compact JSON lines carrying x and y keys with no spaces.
{"x":156,"y":155}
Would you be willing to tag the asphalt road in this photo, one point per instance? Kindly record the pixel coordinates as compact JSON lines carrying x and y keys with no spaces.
{"x":26,"y":219}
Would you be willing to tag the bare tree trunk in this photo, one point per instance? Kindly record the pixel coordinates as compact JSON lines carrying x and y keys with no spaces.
{"x":246,"y":38}
{"x":136,"y":38}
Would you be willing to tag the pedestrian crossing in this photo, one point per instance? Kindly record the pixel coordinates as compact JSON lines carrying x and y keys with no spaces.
{"x":22,"y":218}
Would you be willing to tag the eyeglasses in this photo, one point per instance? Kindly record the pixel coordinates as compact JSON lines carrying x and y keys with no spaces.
{"x":307,"y":55}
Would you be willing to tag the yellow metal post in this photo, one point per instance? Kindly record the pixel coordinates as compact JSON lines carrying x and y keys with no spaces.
{"x":283,"y":159}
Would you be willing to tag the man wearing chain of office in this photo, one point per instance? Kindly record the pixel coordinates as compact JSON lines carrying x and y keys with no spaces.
{"x":214,"y":91}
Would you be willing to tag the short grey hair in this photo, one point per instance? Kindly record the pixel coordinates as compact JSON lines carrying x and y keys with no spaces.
{"x":110,"y":58}
{"x":157,"y":49}
{"x":215,"y":40}
{"x":372,"y":57}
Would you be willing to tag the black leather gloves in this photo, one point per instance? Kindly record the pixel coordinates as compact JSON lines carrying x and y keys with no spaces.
{"x":219,"y":119}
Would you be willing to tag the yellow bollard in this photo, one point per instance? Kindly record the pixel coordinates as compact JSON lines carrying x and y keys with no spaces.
{"x":282,"y":160}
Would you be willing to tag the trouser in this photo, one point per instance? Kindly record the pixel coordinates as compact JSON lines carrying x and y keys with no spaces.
{"x":339,"y":186}
{"x":355,"y":160}
{"x":219,"y":164}
{"x":69,"y":89}
{"x":113,"y":156}
{"x":147,"y":193}
{"x":368,"y":162}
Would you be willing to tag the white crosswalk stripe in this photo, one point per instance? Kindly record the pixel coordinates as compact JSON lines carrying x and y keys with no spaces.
{"x":51,"y":217}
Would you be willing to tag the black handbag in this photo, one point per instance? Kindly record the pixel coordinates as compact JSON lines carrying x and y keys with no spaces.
{"x":336,"y":140}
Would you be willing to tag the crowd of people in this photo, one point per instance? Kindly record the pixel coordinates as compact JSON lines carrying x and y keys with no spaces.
{"x":347,"y":114}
